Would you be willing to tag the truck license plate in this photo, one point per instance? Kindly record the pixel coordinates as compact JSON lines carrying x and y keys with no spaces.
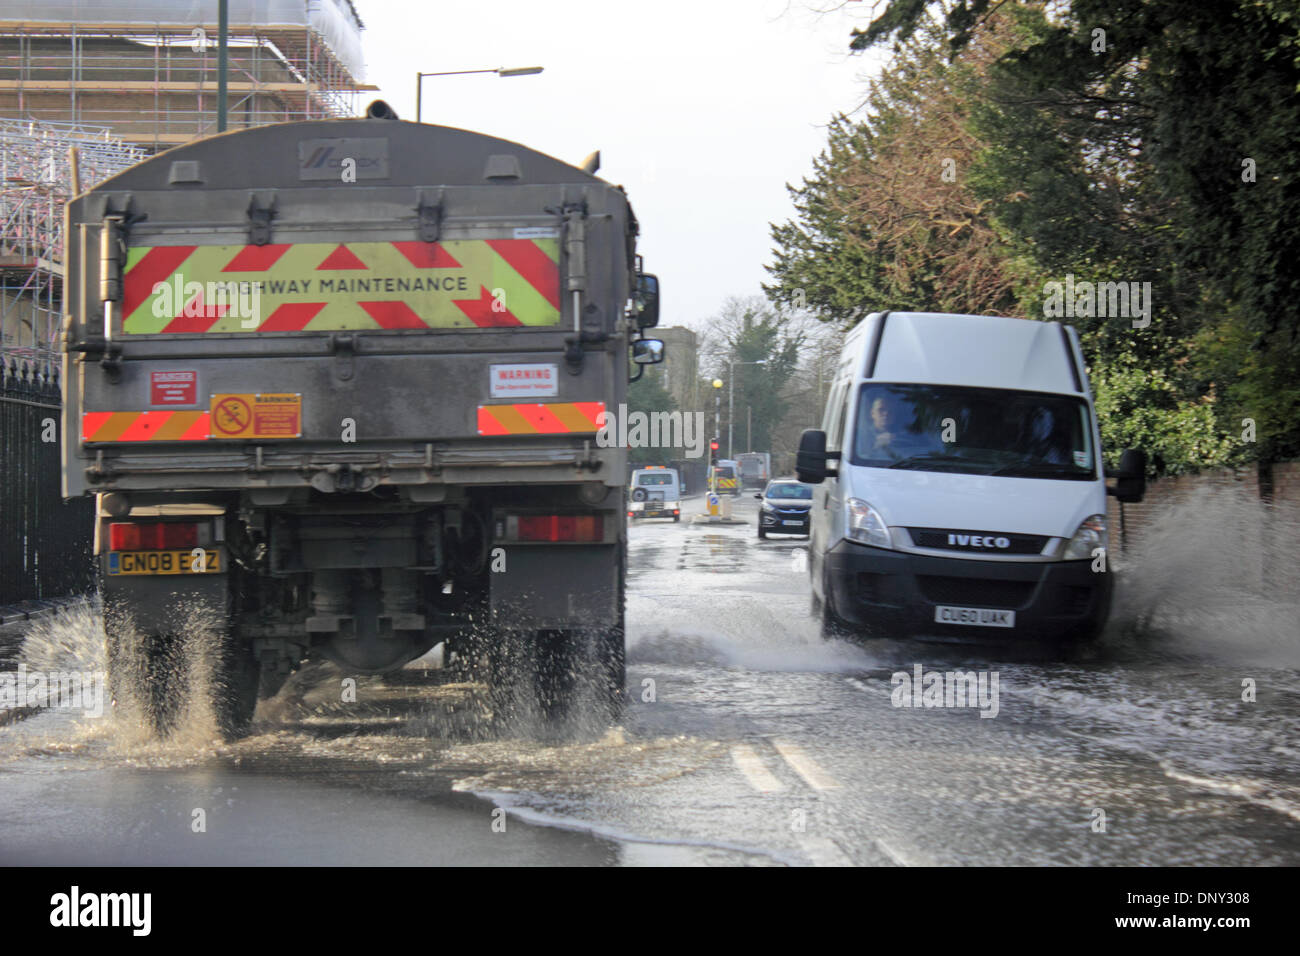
{"x":974,"y":616}
{"x":161,"y":562}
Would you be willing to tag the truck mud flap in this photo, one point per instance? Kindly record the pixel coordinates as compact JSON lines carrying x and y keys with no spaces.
{"x":556,"y":586}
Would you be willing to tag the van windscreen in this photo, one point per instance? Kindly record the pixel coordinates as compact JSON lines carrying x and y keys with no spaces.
{"x":983,"y":431}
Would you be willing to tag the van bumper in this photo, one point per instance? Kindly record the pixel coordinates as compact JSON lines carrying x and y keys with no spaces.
{"x":895,"y":594}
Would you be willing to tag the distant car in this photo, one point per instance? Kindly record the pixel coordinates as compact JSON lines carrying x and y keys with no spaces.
{"x":655,"y":493}
{"x":785,"y":507}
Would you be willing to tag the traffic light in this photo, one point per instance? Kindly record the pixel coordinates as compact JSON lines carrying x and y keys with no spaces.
{"x":713,"y":451}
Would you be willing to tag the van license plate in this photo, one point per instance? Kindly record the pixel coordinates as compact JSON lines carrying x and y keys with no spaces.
{"x":161,"y":562}
{"x":974,"y":616}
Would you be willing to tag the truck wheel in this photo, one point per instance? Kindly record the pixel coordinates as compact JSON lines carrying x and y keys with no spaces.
{"x":146,"y":675}
{"x":234,"y":689}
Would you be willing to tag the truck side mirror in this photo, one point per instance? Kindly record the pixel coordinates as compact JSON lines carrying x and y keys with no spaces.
{"x":646,"y":300}
{"x":647,"y":351}
{"x":1131,"y":479}
{"x":810,"y":463}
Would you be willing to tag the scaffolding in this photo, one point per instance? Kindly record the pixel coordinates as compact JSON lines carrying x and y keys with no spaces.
{"x":123,"y":81}
{"x":150,"y":75}
{"x":35,"y":185}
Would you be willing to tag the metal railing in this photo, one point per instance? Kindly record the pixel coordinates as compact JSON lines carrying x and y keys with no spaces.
{"x":45,"y":542}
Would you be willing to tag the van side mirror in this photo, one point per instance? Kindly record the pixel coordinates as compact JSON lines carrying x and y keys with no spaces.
{"x":810,"y":463}
{"x":646,"y":301}
{"x":1131,"y":479}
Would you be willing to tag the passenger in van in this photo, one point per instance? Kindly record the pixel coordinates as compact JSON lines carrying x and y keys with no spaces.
{"x":1047,"y":440}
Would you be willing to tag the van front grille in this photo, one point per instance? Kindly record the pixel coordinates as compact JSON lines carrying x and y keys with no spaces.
{"x":990,"y":542}
{"x":975,"y":592}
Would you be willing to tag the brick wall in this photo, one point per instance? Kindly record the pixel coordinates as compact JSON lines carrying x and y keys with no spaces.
{"x":1224,"y":506}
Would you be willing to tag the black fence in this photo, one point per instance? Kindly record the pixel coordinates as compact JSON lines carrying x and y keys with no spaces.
{"x":45,"y":543}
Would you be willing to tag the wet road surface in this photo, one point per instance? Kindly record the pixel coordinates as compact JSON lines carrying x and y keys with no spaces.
{"x":749,"y":740}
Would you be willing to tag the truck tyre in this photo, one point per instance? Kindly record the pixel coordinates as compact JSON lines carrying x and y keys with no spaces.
{"x":639,"y":494}
{"x":580,"y":674}
{"x":234,"y":689}
{"x":146,"y":674}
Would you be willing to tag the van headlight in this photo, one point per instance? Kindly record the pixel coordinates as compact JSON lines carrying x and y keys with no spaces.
{"x":863,"y":523}
{"x":1090,"y":535}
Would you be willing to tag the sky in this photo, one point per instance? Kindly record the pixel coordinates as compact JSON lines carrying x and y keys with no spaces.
{"x":702,"y":110}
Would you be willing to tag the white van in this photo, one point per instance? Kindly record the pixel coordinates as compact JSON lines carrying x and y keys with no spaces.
{"x":960,"y":486}
{"x":655,"y":493}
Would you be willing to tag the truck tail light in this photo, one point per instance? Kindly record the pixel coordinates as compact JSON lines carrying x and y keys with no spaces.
{"x":558,"y":527}
{"x":156,"y":535}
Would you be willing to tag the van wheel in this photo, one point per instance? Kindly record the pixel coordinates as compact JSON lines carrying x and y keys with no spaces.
{"x":832,"y":625}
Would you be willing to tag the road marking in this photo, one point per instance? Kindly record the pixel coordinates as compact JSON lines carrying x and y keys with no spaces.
{"x":759,"y":777}
{"x":823,"y":851}
{"x":805,"y":766}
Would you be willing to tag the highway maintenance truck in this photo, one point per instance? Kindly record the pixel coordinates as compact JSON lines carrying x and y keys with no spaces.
{"x":336,"y":386}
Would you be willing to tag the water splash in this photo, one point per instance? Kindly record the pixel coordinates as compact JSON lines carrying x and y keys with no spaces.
{"x":1213,"y":574}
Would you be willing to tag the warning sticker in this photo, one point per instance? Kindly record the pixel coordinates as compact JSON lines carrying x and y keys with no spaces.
{"x":174,"y":388}
{"x":261,"y":415}
{"x":510,"y":380}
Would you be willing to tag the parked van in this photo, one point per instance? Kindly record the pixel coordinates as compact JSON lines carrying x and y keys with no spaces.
{"x":961,"y":493}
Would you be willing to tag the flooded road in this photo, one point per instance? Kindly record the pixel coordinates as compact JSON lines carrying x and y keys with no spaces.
{"x":748,"y":740}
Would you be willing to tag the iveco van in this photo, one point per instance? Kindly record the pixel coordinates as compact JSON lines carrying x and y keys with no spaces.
{"x":960,"y":487}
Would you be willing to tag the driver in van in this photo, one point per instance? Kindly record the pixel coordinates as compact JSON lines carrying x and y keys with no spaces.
{"x":891,"y":439}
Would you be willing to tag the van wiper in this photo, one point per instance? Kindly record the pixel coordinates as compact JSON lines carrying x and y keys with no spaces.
{"x":1028,"y":469}
{"x":911,"y":460}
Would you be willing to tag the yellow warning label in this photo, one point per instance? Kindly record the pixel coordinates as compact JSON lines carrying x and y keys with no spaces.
{"x":256,"y":415}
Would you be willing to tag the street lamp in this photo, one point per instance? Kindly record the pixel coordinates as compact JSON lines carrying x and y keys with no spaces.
{"x":731,"y":401}
{"x":499,"y":71}
{"x":717,"y":430}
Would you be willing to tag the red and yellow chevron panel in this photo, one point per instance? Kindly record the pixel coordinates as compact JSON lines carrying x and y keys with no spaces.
{"x":144,"y":426}
{"x":322,"y":286}
{"x":538,"y":418}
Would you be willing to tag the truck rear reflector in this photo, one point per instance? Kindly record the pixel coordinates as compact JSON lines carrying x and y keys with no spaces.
{"x":556,"y":527}
{"x":540,"y":418}
{"x":154,"y":535}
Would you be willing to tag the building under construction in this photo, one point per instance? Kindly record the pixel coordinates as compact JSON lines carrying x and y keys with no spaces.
{"x":120,"y":81}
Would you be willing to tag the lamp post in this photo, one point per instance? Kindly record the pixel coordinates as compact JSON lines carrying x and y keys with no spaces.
{"x":499,"y":71}
{"x":717,"y":430}
{"x":731,"y":401}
